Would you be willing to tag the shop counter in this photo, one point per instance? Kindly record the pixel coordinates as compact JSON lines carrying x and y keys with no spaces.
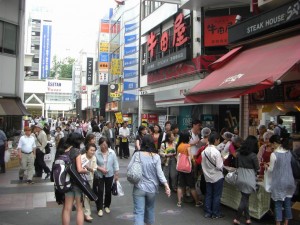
{"x":259,"y":202}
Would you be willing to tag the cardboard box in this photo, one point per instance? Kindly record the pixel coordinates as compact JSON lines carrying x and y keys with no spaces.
{"x":296,"y":211}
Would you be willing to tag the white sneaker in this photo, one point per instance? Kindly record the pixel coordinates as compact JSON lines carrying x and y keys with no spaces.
{"x":107,"y":210}
{"x":100,"y":213}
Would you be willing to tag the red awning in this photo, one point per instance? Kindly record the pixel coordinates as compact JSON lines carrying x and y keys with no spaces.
{"x":249,"y":71}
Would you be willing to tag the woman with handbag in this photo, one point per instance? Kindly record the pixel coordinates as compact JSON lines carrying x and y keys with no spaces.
{"x":107,"y":172}
{"x":145,"y":189}
{"x":89,"y":159}
{"x":186,"y":178}
{"x":247,"y":168}
{"x":71,"y":147}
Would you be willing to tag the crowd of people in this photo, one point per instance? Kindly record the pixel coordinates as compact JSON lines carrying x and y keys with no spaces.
{"x":209,"y":152}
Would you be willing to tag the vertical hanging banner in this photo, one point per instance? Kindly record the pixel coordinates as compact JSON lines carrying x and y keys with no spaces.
{"x":46,"y":51}
{"x":89,"y":71}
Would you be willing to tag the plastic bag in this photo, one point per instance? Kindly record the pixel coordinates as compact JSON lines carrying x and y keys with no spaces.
{"x":267,"y":181}
{"x":120,"y":189}
{"x":7,"y":156}
{"x":231,"y":177}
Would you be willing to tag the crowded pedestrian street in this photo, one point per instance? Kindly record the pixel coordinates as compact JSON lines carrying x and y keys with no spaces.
{"x":23,"y":204}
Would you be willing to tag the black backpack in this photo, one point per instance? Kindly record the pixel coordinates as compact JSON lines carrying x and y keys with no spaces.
{"x":61,"y":177}
{"x":284,"y":133}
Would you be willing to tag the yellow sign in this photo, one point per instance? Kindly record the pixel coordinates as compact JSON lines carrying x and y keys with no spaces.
{"x":116,"y":67}
{"x":103,"y":47}
{"x":119,"y":117}
{"x":115,"y":90}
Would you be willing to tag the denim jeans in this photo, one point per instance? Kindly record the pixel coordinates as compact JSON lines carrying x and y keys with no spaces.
{"x":213,"y":198}
{"x":143,"y":208}
{"x":287,"y":209}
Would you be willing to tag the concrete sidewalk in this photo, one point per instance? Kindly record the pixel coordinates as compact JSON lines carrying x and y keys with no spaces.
{"x":24,"y":204}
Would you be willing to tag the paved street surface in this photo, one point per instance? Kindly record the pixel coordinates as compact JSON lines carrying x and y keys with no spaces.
{"x":24,"y":204}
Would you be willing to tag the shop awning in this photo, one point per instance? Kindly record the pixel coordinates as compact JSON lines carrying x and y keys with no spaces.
{"x":248,"y":71}
{"x":12,"y":107}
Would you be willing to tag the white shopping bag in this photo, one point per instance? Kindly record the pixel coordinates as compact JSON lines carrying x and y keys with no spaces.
{"x":120,"y":189}
{"x":7,"y":156}
{"x":267,"y":181}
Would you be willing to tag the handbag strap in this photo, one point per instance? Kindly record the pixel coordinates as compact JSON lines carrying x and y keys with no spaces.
{"x":209,"y":159}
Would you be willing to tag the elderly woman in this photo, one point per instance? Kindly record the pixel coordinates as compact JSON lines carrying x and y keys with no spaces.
{"x":107,"y":172}
{"x":261,"y":130}
{"x":264,"y":152}
{"x":282,"y":180}
{"x":236,"y":142}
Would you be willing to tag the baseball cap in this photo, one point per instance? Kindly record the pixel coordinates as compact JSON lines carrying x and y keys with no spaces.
{"x":39,"y":126}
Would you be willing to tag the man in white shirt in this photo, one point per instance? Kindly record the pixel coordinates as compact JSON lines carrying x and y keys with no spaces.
{"x":26,"y":153}
{"x":194,"y":138}
{"x":212,"y":166}
{"x":124,"y":133}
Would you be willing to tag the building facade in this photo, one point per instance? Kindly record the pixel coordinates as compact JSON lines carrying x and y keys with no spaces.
{"x":12,"y":29}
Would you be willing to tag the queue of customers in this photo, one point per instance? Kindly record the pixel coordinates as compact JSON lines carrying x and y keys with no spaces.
{"x":212,"y":153}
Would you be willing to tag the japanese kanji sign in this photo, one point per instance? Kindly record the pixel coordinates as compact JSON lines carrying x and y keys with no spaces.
{"x":216,"y":30}
{"x":116,"y":66}
{"x":179,"y":37}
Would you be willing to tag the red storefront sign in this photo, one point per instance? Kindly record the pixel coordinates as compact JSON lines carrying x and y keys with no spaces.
{"x":216,"y":30}
{"x":179,"y":37}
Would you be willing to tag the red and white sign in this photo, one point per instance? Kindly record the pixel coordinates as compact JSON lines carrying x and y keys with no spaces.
{"x":178,"y":34}
{"x":216,"y":30}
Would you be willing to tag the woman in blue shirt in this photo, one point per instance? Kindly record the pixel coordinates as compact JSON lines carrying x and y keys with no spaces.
{"x":107,"y":172}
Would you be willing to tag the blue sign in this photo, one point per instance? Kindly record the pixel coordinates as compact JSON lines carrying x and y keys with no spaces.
{"x":46,"y":51}
{"x":130,"y":73}
{"x":113,"y":56}
{"x":103,"y":57}
{"x":130,"y":50}
{"x":130,"y":62}
{"x":129,"y":85}
{"x":129,"y":97}
{"x":130,"y":38}
{"x":130,"y":27}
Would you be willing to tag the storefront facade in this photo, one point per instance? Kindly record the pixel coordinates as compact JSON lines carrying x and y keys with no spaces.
{"x":262,"y":69}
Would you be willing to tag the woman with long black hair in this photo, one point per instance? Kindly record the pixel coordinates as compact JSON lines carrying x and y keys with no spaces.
{"x":247,"y":167}
{"x":72,"y":147}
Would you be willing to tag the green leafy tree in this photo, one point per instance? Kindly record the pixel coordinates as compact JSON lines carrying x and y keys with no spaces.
{"x":62,"y":68}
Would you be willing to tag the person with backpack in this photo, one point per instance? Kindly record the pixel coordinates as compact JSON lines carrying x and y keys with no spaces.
{"x":71,"y":149}
{"x":280,"y":130}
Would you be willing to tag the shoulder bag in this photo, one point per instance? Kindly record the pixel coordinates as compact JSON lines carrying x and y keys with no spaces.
{"x":135,"y":171}
{"x":184,"y":163}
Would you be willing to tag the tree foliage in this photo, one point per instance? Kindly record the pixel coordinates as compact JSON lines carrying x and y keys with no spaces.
{"x":62,"y":68}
